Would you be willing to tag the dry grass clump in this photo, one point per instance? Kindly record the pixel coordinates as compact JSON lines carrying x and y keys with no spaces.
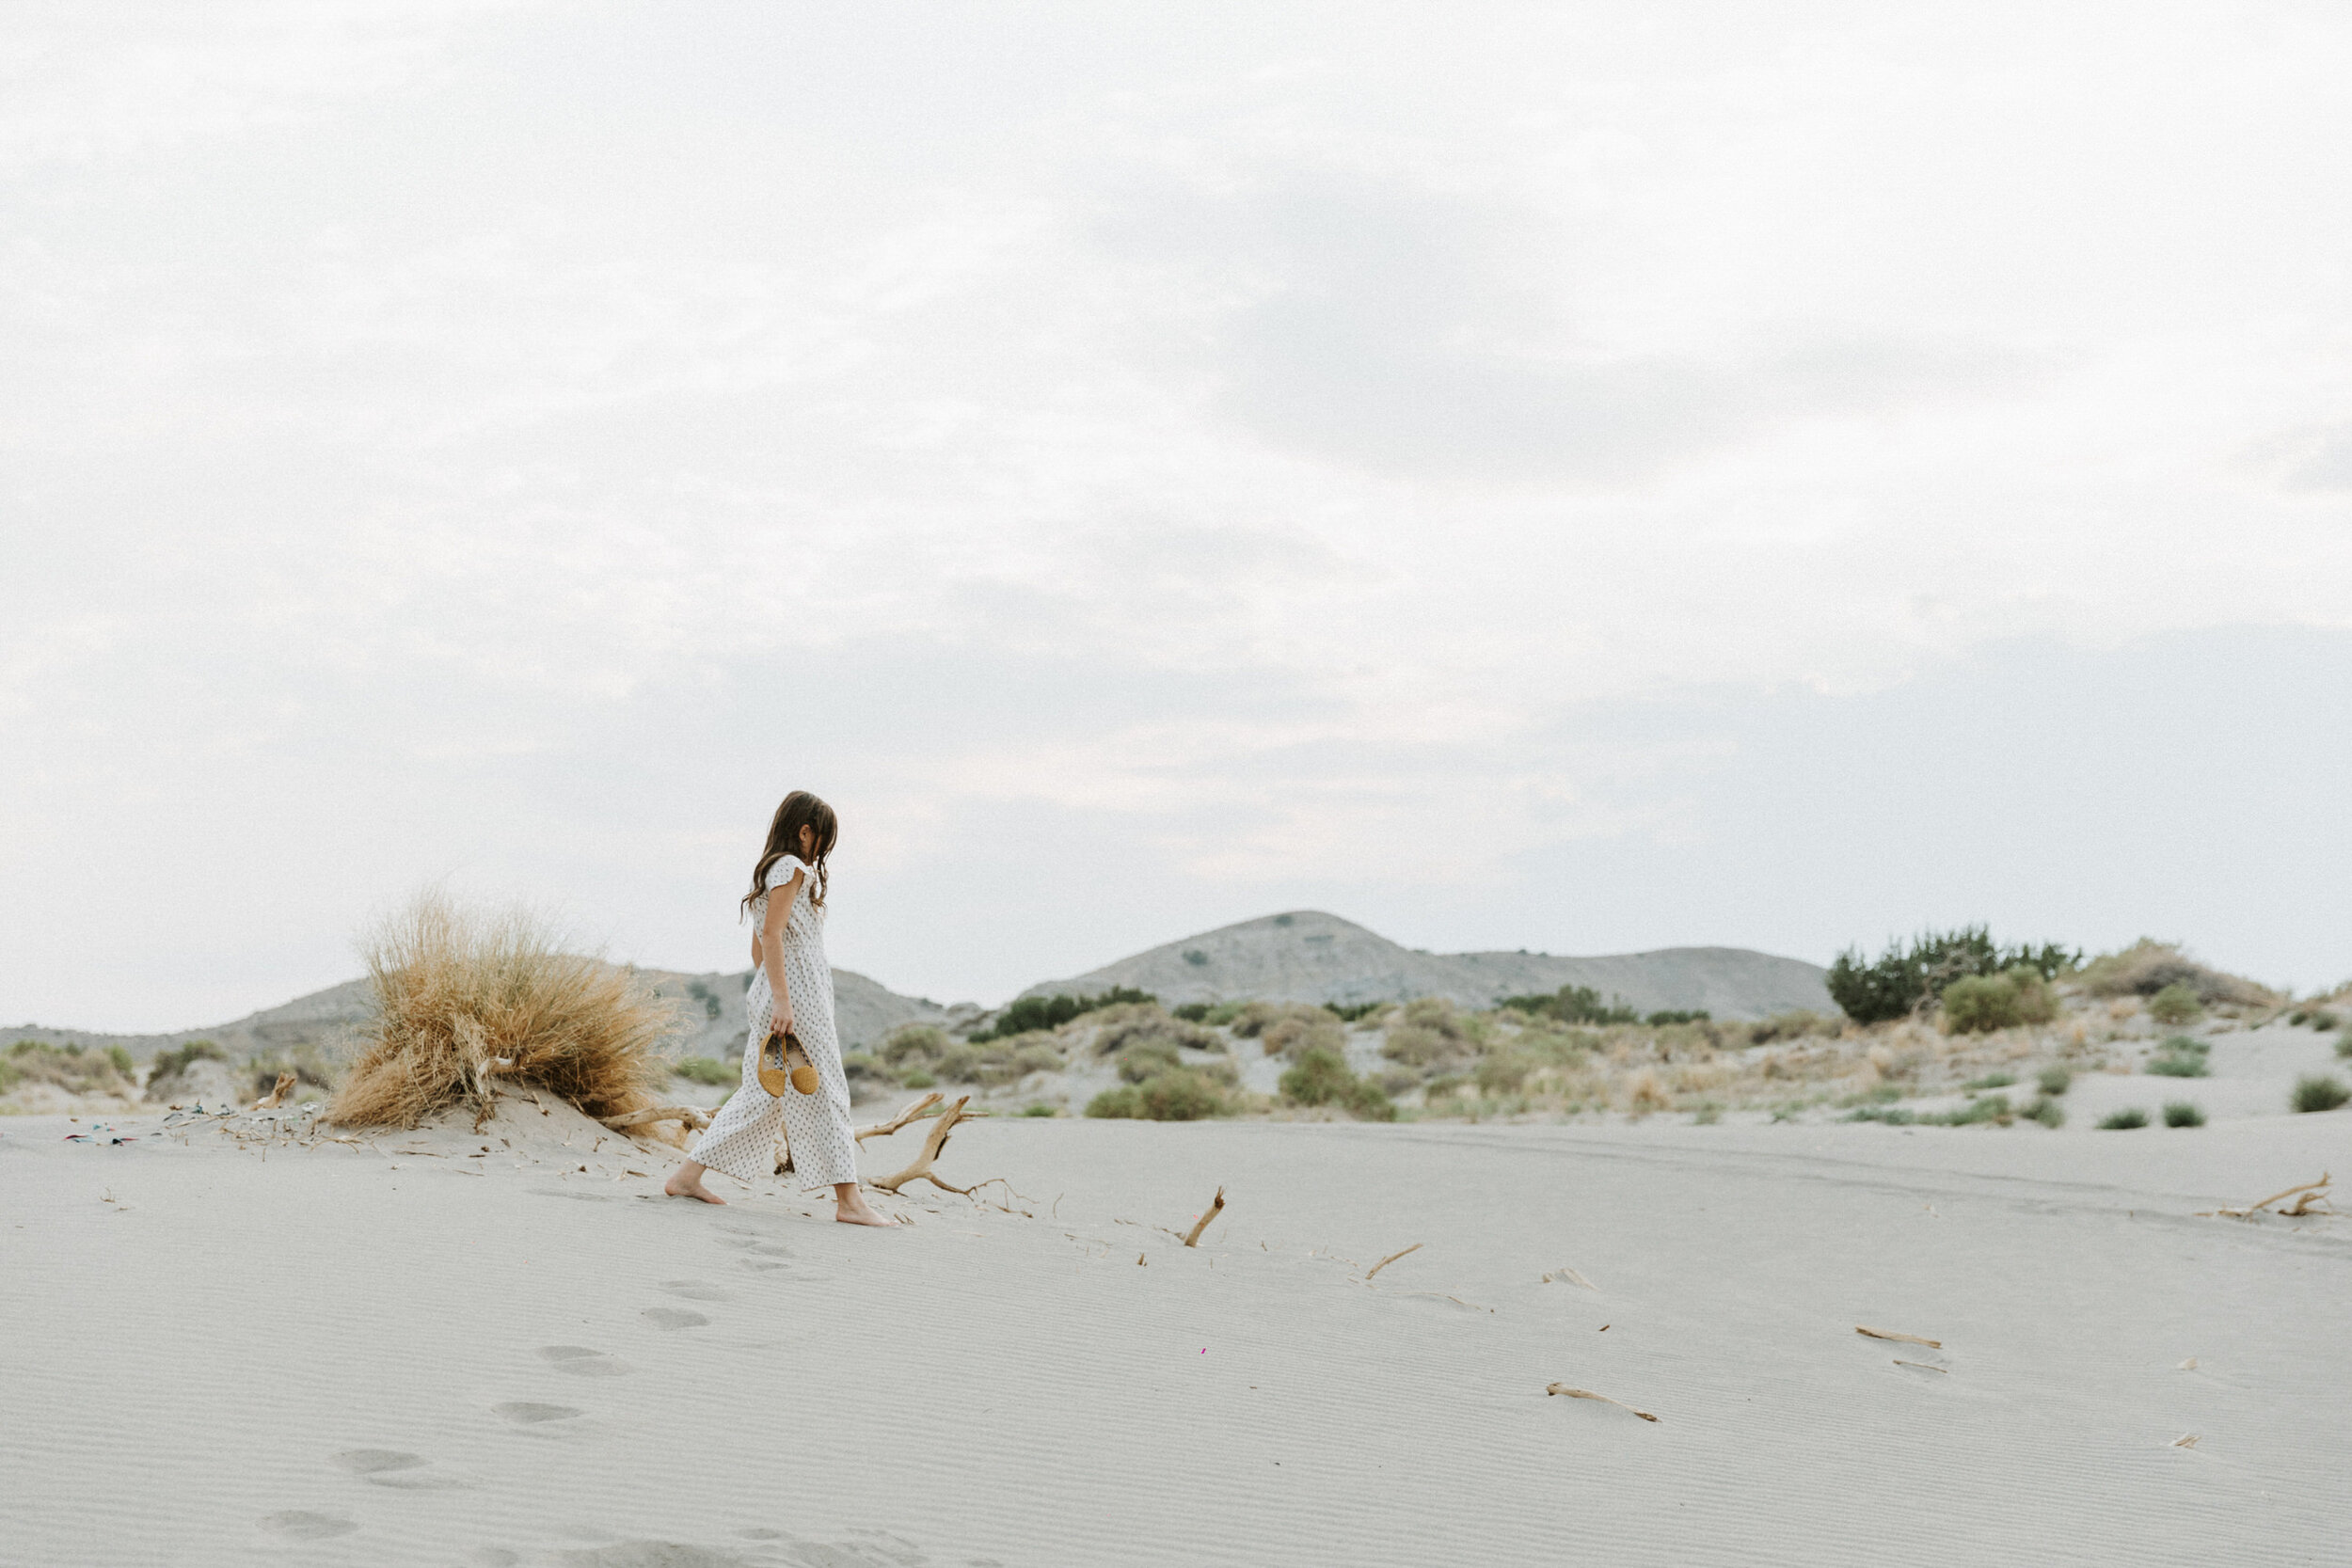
{"x":2149,"y":966}
{"x":465,"y":1001}
{"x":1138,"y":1023}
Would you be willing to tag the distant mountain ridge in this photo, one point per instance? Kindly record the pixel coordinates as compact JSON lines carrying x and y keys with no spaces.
{"x":1302,"y":955}
{"x":1310,"y":956}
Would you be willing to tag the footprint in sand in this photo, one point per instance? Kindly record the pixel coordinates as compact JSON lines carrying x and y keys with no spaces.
{"x":695,"y":1290}
{"x":375,"y":1462}
{"x":524,"y":1413}
{"x":671,"y":1317}
{"x":306,"y":1527}
{"x":386,"y":1467}
{"x":649,"y":1554}
{"x":581,"y":1361}
{"x":754,"y":1243}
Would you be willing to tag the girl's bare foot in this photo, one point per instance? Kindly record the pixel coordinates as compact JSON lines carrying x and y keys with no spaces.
{"x":686,"y":1182}
{"x":850,"y":1208}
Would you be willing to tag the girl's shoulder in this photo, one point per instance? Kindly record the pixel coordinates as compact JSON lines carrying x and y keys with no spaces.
{"x":785,"y":868}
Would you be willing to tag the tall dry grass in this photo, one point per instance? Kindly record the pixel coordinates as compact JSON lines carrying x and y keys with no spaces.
{"x":468,"y":1000}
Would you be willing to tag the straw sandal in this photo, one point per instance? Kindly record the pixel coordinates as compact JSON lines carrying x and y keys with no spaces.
{"x":776,"y":1079}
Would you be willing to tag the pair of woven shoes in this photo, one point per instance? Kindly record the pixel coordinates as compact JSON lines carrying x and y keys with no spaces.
{"x":775,"y":1075}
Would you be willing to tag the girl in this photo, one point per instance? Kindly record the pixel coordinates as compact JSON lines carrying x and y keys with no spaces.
{"x":791,"y":991}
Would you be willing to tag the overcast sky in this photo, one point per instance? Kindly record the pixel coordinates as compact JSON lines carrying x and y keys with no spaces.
{"x":1579,"y":477}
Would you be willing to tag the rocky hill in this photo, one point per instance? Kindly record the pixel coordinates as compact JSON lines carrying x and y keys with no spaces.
{"x":710,"y":1009}
{"x":1307,"y":956}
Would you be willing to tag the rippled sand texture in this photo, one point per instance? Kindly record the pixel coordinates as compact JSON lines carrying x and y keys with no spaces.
{"x":399,"y":1354}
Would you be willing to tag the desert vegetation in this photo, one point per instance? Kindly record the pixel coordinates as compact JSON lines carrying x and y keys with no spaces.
{"x":72,"y":1070}
{"x":469,"y":1003}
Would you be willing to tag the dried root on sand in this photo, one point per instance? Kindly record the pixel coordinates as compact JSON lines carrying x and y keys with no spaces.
{"x":467,"y":1002}
{"x":2305,"y":1195}
{"x":1588,"y":1394}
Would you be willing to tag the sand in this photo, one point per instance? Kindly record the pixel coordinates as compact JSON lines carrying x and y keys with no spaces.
{"x":370,"y":1354}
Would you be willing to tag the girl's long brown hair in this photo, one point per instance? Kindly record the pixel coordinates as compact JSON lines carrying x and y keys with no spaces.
{"x":800,"y":810}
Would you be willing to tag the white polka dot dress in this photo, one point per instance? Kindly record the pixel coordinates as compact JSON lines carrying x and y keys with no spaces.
{"x":743,"y":1136}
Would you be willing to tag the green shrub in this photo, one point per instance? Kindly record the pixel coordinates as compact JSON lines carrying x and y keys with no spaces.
{"x":2323,"y":1020}
{"x":1349,"y":1012}
{"x":1184,"y":1095}
{"x":1677,"y":1015}
{"x":2344,"y":1045}
{"x":994,"y":1063}
{"x":1991,"y":1081}
{"x":1893,"y":1115}
{"x":1794,"y":1024}
{"x":1707,"y":1115}
{"x":2048,"y":1112}
{"x":70,"y":1066}
{"x":1908,"y":974}
{"x":172,"y":1063}
{"x":1573,"y":1004}
{"x":2319,"y":1092}
{"x":2123,"y":1120}
{"x":860,"y":1066}
{"x":918,"y":1078}
{"x":1992,"y":1107}
{"x":1039,"y":1109}
{"x":2149,"y":967}
{"x":2176,"y":1003}
{"x":1195,"y":958}
{"x":1128,"y":1024}
{"x":1124,"y":1102}
{"x":2054,"y":1081}
{"x":1504,"y":1071}
{"x":2180,"y":1056}
{"x":1146,"y":1057}
{"x":914,"y":1045}
{"x":1320,"y":1078}
{"x":1223,"y":1013}
{"x":1191,"y":1013}
{"x":1029,"y":1014}
{"x":2183,"y":1113}
{"x":707,"y":1069}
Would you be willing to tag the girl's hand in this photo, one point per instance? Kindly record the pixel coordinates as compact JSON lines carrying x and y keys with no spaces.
{"x":780,"y":1018}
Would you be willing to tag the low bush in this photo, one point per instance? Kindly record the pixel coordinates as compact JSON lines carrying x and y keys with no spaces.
{"x":1991,"y":1081}
{"x":1322,"y":1078}
{"x":73,"y":1067}
{"x":2344,"y":1045}
{"x":2054,"y":1081}
{"x":1027,"y":1014}
{"x":172,"y":1063}
{"x":1907,"y":975}
{"x":1979,"y":1004}
{"x":1794,"y":1024}
{"x":2183,"y":1113}
{"x":2048,"y":1112}
{"x":2123,"y":1120}
{"x":1253,"y":1018}
{"x":993,"y":1063}
{"x":2176,"y":1003}
{"x":1039,"y":1110}
{"x":1191,"y":1013}
{"x":1350,"y":1012}
{"x":1573,"y":1004}
{"x":2181,"y":1057}
{"x":2149,"y":966}
{"x":1142,"y":1059}
{"x":914,"y":1045}
{"x":1504,"y":1071}
{"x":2319,"y":1092}
{"x":1674,"y":1015}
{"x":707,"y":1070}
{"x":1181,"y":1095}
{"x":1133,"y":1023}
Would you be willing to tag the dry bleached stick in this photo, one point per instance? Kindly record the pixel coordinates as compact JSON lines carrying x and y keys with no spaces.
{"x":2307,"y":1191}
{"x":276,"y":1097}
{"x":1906,"y":1338}
{"x":1588,"y":1394}
{"x":1192,"y":1237}
{"x":884,"y":1129}
{"x":1386,"y":1261}
{"x":686,"y":1114}
{"x":1568,"y":1276}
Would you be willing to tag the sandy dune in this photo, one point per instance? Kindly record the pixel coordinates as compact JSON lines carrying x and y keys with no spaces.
{"x":395,"y":1353}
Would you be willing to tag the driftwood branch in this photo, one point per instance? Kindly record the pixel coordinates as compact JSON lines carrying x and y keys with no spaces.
{"x":2303,"y":1193}
{"x":1588,"y":1394}
{"x":884,"y":1129}
{"x":1906,"y":1338}
{"x":276,"y":1097}
{"x":921,"y":1169}
{"x":686,"y":1114}
{"x":1389,"y":1258}
{"x":1192,"y":1237}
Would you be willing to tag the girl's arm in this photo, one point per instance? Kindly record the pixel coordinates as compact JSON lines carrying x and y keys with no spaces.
{"x":772,"y":948}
